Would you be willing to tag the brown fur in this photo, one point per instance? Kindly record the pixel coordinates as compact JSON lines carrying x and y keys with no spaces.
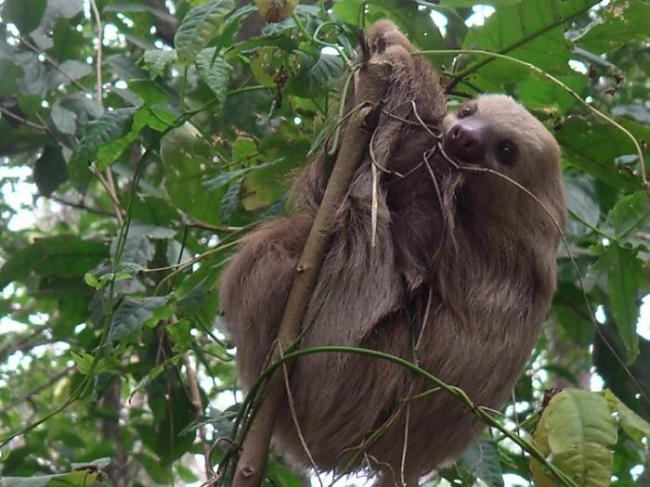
{"x":478,"y":261}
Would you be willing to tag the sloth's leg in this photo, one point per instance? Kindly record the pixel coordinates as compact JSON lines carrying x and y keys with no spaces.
{"x":254,"y":289}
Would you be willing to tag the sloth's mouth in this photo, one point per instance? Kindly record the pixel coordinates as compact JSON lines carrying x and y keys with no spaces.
{"x":465,"y":142}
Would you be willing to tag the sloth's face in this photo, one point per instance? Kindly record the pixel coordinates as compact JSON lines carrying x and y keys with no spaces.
{"x":497,"y":132}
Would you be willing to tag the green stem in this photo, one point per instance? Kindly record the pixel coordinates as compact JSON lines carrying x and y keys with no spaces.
{"x":575,"y":216}
{"x":457,"y":392}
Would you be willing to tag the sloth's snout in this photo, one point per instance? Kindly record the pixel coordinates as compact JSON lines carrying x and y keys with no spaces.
{"x":465,"y":142}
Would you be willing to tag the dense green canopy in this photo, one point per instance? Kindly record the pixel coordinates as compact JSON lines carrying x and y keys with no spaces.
{"x":139,"y":140}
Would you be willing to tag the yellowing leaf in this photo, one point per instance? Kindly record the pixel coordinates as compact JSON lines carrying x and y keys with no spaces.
{"x":575,"y":433}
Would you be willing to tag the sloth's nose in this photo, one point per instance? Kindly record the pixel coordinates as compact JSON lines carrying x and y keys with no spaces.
{"x":465,"y":143}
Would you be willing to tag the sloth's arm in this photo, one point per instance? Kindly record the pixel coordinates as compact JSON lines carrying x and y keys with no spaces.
{"x":413,"y":94}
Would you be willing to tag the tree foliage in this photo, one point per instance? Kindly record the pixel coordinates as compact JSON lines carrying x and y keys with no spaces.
{"x":140,"y":140}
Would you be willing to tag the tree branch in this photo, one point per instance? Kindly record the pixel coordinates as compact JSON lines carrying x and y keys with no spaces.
{"x":80,"y":206}
{"x":372,"y":81}
{"x":197,"y":404}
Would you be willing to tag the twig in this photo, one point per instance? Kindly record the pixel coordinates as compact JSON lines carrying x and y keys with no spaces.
{"x":54,"y":64}
{"x":371,"y":89}
{"x":407,"y":421}
{"x":81,"y":206}
{"x":100,"y":49}
{"x":197,"y":404}
{"x":109,"y":183}
{"x":20,"y":119}
{"x":294,"y":417}
{"x":213,"y":228}
{"x":37,"y":390}
{"x":110,"y":189}
{"x":483,"y":413}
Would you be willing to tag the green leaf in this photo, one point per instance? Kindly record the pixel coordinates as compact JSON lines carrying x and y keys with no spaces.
{"x":576,"y":432}
{"x":149,"y":91}
{"x":214,"y":71}
{"x":10,"y":73}
{"x":414,"y":21}
{"x":64,"y":120}
{"x":132,"y":314}
{"x":92,"y":280}
{"x":482,"y":461}
{"x":61,"y":255}
{"x":230,"y":200}
{"x":470,"y":3}
{"x":593,"y":148}
{"x":63,"y":8}
{"x":50,"y":170}
{"x":199,"y":27}
{"x":539,"y":95}
{"x":633,"y":424}
{"x":623,"y":22}
{"x":156,"y":60}
{"x":623,"y":270}
{"x":73,"y":70}
{"x":84,"y":362}
{"x":160,"y":474}
{"x":26,"y":15}
{"x":582,"y":203}
{"x":138,"y":247}
{"x":110,"y":127}
{"x":81,"y":478}
{"x":630,"y":215}
{"x":529,"y":30}
{"x":317,"y":73}
{"x":186,"y":162}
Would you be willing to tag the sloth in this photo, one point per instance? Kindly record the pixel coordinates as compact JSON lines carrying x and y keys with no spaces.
{"x":454,"y":270}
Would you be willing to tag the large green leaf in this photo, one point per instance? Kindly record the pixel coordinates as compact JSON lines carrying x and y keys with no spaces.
{"x":61,"y":255}
{"x":186,"y":161}
{"x":317,"y":73}
{"x":576,"y":432}
{"x":623,"y":270}
{"x":532,"y":30}
{"x":631,"y":215}
{"x":631,"y":383}
{"x":633,"y":424}
{"x":582,"y":205}
{"x":81,"y":478}
{"x":594,"y":148}
{"x":157,"y":60}
{"x":26,"y":15}
{"x":134,"y":313}
{"x":470,"y":3}
{"x":65,"y":120}
{"x":410,"y":17}
{"x":214,"y":71}
{"x":110,"y":127}
{"x":50,"y":170}
{"x":10,"y":73}
{"x":623,"y":22}
{"x":199,"y":27}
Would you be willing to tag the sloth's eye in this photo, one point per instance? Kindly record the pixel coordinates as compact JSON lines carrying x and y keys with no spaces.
{"x":507,"y":152}
{"x":465,"y":111}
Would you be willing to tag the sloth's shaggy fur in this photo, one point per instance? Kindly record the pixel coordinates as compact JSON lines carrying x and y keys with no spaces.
{"x":459,"y":279}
